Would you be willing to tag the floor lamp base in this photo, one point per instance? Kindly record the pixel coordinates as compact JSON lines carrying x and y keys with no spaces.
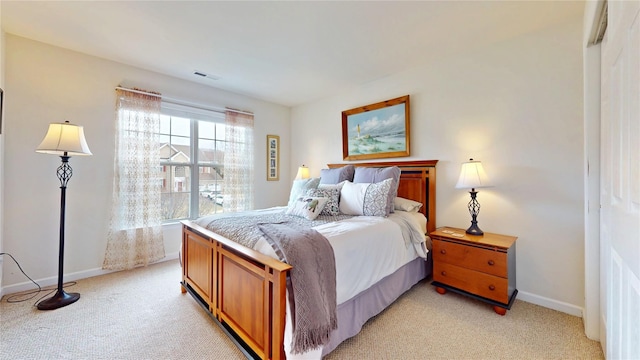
{"x":60,"y":299}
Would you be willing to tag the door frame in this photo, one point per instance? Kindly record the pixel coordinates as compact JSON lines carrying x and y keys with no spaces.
{"x":594,"y":323}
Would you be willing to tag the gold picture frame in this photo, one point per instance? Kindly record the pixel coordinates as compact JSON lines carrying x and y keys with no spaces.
{"x":273,"y":157}
{"x":376,"y":131}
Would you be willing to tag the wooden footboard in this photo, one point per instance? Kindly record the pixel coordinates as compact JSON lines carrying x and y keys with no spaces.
{"x":243,"y":289}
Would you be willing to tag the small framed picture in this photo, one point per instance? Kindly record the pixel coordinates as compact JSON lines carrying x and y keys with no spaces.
{"x":273,"y":157}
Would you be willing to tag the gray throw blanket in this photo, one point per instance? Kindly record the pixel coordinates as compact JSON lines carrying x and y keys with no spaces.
{"x":243,"y":227}
{"x":312,"y":283}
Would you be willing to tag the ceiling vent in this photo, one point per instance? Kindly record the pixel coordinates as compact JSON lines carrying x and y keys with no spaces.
{"x":205,"y":75}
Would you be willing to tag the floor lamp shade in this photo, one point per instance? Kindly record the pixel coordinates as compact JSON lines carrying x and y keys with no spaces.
{"x":65,"y":140}
{"x":473,"y":176}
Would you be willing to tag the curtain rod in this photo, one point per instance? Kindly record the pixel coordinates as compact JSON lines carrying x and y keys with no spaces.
{"x":183,"y":102}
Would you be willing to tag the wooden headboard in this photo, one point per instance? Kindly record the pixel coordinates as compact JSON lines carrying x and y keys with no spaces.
{"x":417,"y":182}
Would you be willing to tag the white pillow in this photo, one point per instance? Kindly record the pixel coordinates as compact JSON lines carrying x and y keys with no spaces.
{"x":307,"y":207}
{"x":365,"y":198}
{"x":300,"y":187}
{"x":403,"y":204}
{"x":421,"y":220}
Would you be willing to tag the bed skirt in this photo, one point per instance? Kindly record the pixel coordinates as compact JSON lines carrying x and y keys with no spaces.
{"x":354,"y":313}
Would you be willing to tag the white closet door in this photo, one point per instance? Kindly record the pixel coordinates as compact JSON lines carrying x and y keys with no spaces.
{"x":620,"y":180}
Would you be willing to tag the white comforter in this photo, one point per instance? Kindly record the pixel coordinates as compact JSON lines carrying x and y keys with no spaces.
{"x":366,"y":248}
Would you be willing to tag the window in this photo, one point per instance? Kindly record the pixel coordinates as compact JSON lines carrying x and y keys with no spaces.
{"x":198,"y":147}
{"x":192,"y":144}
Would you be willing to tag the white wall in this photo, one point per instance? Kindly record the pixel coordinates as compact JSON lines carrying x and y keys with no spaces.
{"x":51,"y":84}
{"x":517,"y":107}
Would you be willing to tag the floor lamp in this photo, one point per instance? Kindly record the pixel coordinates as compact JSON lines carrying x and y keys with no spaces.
{"x":65,"y":140}
{"x":473,"y":176}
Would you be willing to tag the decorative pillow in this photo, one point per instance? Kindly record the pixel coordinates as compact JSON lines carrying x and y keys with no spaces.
{"x":365,"y":199}
{"x":307,"y":207}
{"x":337,"y":175}
{"x":333,"y":199}
{"x":375,"y":175}
{"x":332,"y":186}
{"x":300,"y":188}
{"x":402,"y":204}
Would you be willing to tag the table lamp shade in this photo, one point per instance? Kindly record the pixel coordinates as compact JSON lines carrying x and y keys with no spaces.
{"x":303,"y":173}
{"x":472,"y":176}
{"x":64,"y":139}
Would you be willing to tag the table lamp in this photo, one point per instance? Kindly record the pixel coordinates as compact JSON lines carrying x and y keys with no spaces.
{"x":473,"y":176}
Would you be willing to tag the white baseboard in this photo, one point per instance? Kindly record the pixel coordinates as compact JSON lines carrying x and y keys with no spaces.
{"x":603,"y":334}
{"x":53,"y":281}
{"x":551,"y":303}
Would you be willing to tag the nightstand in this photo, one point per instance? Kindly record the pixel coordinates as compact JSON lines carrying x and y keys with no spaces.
{"x":479,"y":266}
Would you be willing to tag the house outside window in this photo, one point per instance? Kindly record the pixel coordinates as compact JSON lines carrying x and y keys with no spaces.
{"x":192,"y":143}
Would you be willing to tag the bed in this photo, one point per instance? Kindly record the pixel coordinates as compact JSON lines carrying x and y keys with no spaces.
{"x":245,"y":290}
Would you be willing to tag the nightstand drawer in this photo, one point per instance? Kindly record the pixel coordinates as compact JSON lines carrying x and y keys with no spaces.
{"x":488,"y":286}
{"x":483,"y":260}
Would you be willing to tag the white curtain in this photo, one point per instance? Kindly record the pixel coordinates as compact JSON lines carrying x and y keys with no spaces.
{"x":135,"y":231}
{"x":238,"y":162}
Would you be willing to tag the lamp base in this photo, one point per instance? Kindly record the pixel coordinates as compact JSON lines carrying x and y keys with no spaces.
{"x":60,"y":299}
{"x":474,"y":230}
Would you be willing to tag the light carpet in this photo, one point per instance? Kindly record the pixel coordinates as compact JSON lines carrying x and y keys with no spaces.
{"x":141,"y":314}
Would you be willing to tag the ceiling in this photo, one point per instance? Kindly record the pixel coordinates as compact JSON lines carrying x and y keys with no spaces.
{"x":288,"y":53}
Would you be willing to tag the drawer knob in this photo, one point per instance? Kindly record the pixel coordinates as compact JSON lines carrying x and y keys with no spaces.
{"x":490,"y":262}
{"x":443,"y":251}
{"x":443,"y":273}
{"x":491,"y":287}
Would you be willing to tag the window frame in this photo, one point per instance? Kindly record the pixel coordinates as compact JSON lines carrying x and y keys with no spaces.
{"x":194,"y":115}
